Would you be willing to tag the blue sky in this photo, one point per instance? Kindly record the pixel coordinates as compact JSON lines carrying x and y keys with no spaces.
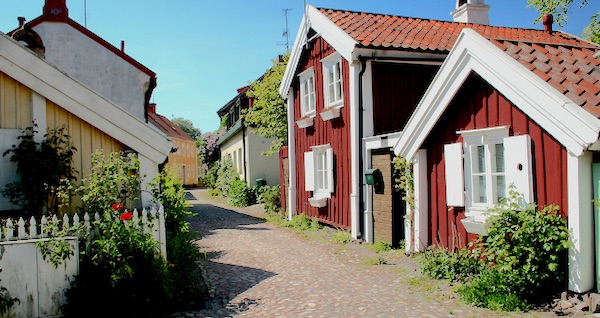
{"x":202,"y":51}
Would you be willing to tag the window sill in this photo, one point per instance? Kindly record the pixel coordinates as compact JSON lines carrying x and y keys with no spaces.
{"x":475,"y":226}
{"x":306,"y":122}
{"x":318,"y":201}
{"x":330,"y":113}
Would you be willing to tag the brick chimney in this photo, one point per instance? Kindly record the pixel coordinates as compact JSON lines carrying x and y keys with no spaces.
{"x":56,"y":8}
{"x":471,"y":11}
{"x":152,"y":108}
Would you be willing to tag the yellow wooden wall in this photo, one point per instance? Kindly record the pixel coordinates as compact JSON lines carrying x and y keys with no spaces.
{"x":16,"y":105}
{"x":85,"y":137}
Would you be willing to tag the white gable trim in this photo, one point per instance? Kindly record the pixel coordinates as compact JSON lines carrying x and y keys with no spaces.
{"x":46,"y":80}
{"x":573,"y":127}
{"x":329,"y":31}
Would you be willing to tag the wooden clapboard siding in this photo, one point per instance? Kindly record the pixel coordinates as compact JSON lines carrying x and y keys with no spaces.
{"x":397,"y":89}
{"x":477,"y":105}
{"x":335,"y":132}
{"x":15,"y":104}
{"x":85,"y":137}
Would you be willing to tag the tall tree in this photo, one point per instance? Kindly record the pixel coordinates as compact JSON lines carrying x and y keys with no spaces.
{"x":187,"y":126}
{"x":268,"y":113}
{"x":560,"y":9}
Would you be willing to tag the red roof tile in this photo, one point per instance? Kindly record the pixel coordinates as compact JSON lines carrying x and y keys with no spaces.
{"x":564,"y":61}
{"x":165,"y":125}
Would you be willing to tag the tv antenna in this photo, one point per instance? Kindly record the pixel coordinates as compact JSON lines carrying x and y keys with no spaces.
{"x":286,"y":31}
{"x":85,"y":13}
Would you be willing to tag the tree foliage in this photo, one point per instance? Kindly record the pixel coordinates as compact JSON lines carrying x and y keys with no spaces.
{"x":268,"y":113}
{"x":560,"y":10}
{"x":187,"y":126}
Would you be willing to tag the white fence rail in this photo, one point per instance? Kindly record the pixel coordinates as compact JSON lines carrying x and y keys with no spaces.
{"x":34,"y":281}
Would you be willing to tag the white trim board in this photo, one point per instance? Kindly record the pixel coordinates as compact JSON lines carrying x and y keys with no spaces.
{"x":48,"y":81}
{"x":572,"y":126}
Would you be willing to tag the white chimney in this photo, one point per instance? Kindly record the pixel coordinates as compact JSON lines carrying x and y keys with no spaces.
{"x":471,"y":11}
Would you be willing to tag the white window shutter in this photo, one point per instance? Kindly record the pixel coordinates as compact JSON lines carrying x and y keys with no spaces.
{"x":309,"y":171}
{"x":455,"y":180}
{"x":518,"y":165}
{"x":330,"y":180}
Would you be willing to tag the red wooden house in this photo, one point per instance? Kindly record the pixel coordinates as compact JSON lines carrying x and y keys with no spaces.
{"x":353,"y":84}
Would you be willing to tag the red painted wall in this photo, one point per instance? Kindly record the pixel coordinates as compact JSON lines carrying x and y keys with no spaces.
{"x":335,"y":132}
{"x":478,"y":105}
{"x":397,"y":88}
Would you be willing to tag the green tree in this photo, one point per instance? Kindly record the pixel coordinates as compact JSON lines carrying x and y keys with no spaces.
{"x":268,"y":113}
{"x":187,"y":126}
{"x":560,"y":9}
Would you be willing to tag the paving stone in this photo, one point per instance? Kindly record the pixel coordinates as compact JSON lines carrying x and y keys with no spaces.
{"x":257,"y":269}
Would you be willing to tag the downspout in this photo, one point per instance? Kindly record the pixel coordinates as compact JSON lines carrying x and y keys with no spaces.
{"x":244,"y":152}
{"x":363,"y":68}
{"x":151,"y":86}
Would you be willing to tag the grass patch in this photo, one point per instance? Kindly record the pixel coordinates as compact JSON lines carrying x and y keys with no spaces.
{"x":380,"y":247}
{"x":303,"y":223}
{"x":341,"y":236}
{"x":377,"y":260}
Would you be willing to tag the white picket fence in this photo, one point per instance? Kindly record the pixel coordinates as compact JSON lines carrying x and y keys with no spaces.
{"x":151,"y":221}
{"x":37,"y":284}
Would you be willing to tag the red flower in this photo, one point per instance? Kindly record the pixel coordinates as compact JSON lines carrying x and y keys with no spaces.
{"x":117,"y":206}
{"x":126,"y":216}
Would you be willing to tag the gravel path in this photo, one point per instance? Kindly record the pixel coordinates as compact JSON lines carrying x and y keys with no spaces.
{"x":257,"y":269}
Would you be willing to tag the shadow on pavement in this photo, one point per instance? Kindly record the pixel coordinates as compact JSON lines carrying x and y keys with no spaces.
{"x":230,"y":281}
{"x":210,"y":218}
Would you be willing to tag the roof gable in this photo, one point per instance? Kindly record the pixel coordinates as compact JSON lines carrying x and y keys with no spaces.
{"x":44,"y":79}
{"x":575,"y":128}
{"x":64,"y":19}
{"x":168,"y":127}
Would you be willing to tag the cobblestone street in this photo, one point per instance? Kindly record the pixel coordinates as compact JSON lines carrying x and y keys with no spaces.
{"x":257,"y":269}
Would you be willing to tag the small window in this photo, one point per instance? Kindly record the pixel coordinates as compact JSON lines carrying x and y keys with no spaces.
{"x":307,"y":92}
{"x":493,"y":161}
{"x":332,"y":79}
{"x":318,"y":169}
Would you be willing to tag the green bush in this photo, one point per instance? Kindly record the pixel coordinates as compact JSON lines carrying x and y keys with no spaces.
{"x":226,"y":175}
{"x":240,"y":194}
{"x":120,"y":264}
{"x":209,"y":179}
{"x":271,"y":197}
{"x":439,"y":263}
{"x":522,"y":260}
{"x":43,"y":169}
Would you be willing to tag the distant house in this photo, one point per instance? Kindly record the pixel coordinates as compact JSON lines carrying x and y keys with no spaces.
{"x":91,"y":60}
{"x":33,"y":89}
{"x":184,"y":156}
{"x":109,"y":91}
{"x":474,"y":107}
{"x":244,"y":147}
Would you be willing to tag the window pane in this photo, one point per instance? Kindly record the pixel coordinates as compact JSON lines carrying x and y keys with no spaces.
{"x":480,"y":159}
{"x":499,"y":154}
{"x":482,"y":190}
{"x":500,"y":187}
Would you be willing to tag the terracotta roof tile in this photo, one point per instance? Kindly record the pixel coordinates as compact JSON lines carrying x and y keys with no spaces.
{"x":564,"y":61}
{"x":168,"y":127}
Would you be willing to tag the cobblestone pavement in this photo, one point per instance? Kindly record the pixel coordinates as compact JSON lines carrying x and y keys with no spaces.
{"x":257,"y":269}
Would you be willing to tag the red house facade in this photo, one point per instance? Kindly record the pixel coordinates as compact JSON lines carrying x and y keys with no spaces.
{"x":500,"y":113}
{"x":476,"y":108}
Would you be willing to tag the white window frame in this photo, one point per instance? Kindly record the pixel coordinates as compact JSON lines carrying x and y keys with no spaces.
{"x":334,"y":85}
{"x":318,"y":174}
{"x":459,"y":171}
{"x":488,"y":138}
{"x":308,"y":103}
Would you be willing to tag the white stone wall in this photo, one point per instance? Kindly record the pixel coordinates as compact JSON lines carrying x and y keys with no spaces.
{"x":259,"y":166}
{"x":95,"y":66}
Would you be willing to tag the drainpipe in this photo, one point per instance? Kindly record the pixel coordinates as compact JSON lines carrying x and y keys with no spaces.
{"x":244,"y":152}
{"x":151,"y":86}
{"x":363,"y":68}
